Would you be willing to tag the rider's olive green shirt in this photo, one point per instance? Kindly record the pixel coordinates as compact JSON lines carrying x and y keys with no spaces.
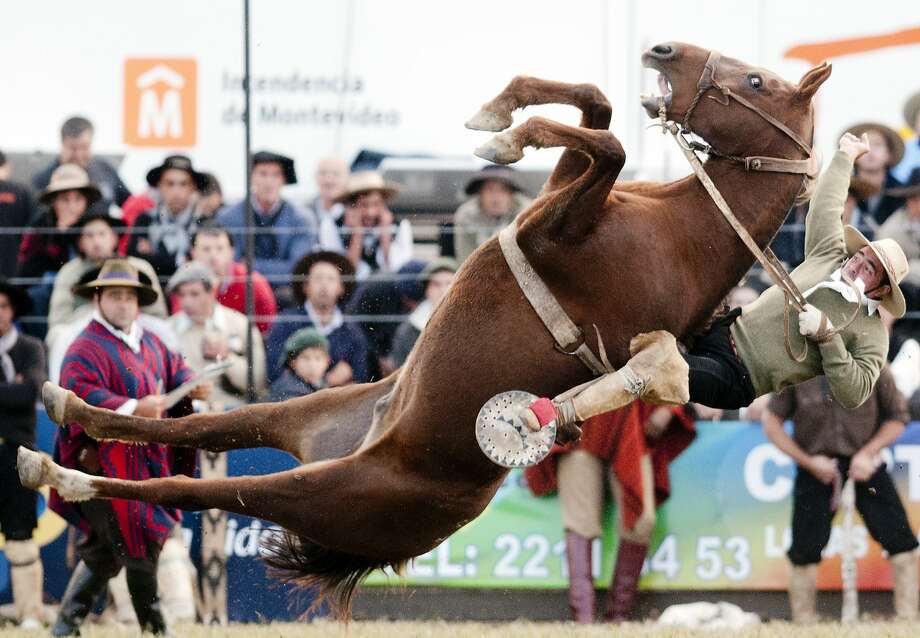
{"x":852,"y":359}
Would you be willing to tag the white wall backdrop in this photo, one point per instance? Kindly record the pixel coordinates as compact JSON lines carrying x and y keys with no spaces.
{"x":413,"y":71}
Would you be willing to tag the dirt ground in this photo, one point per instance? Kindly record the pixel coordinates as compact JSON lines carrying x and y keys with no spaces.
{"x":380,"y":629}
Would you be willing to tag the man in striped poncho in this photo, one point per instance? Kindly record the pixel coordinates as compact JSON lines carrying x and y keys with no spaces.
{"x":116,"y":364}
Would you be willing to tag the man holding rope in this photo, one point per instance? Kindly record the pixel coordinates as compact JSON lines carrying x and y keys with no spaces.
{"x":747,"y":353}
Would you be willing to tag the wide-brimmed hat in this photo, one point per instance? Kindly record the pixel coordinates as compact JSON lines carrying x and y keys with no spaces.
{"x":911,"y":109}
{"x":363,"y":182}
{"x":503,"y":174}
{"x":910,"y":189}
{"x":302,"y":270}
{"x":179,"y":163}
{"x":893,"y":260}
{"x":19,"y":298}
{"x":287,"y":164}
{"x":861,"y":188}
{"x":70,"y":177}
{"x":118,"y":273}
{"x":895,"y":143}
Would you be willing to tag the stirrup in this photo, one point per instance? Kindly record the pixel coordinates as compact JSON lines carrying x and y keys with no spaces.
{"x":504,"y":437}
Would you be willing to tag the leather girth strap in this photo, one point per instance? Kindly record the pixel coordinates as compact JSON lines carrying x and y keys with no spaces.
{"x":570,"y":339}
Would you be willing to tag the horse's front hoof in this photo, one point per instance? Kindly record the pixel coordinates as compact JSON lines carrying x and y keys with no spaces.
{"x":55,"y":399}
{"x":501,"y":149}
{"x":489,"y":121}
{"x":31,"y":468}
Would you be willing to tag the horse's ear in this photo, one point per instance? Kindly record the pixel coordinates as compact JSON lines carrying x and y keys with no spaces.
{"x":812,"y":81}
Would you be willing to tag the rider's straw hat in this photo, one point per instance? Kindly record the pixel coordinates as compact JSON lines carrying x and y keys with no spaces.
{"x":893,"y":260}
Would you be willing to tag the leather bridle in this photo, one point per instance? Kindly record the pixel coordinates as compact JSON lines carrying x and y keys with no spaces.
{"x":807,"y":167}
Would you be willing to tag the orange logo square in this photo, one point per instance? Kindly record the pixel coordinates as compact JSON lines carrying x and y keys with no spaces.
{"x":161,"y":102}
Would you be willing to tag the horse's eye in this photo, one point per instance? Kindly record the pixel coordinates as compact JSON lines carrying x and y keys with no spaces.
{"x":756,"y":82}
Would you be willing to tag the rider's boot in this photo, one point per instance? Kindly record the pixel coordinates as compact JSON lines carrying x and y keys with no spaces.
{"x":656,"y":372}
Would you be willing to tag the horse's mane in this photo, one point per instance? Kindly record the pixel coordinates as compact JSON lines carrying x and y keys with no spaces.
{"x":332,"y":575}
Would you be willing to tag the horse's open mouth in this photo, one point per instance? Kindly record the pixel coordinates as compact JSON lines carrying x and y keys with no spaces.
{"x":650,"y":102}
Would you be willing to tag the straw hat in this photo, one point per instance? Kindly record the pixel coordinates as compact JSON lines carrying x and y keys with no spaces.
{"x":893,"y":260}
{"x":366,"y":182}
{"x":895,"y":143}
{"x":118,"y":273}
{"x":70,"y":177}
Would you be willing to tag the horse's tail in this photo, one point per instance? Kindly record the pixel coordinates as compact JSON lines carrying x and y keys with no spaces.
{"x":334,"y":575}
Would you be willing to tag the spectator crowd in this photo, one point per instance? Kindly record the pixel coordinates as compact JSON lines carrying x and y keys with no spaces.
{"x":338,"y":265}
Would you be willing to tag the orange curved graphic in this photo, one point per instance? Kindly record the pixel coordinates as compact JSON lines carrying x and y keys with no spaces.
{"x":820,"y":51}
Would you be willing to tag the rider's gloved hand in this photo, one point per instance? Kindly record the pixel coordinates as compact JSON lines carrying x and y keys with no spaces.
{"x":814,"y":324}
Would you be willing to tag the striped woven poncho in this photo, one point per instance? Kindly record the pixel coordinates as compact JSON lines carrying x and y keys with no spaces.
{"x":104,"y":371}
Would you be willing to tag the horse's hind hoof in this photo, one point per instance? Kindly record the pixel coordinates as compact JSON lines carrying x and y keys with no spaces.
{"x":55,"y":399}
{"x":489,"y":121}
{"x":501,"y":149}
{"x":31,"y":468}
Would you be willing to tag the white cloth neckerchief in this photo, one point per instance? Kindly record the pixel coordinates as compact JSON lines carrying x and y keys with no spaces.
{"x":334,"y":324}
{"x":132,"y":338}
{"x":419,"y":317}
{"x":837,"y":284}
{"x":7,"y":342}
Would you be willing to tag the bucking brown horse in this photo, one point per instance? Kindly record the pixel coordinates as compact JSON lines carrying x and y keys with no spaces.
{"x":391,"y":469}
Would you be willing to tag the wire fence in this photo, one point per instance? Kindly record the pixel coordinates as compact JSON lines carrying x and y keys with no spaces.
{"x":278,"y":281}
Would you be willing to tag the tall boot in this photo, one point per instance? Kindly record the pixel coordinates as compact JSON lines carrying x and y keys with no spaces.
{"x":27,"y":578}
{"x":81,"y":593}
{"x":143,"y":587}
{"x":625,"y":582}
{"x":581,"y":583}
{"x":904,"y":575}
{"x":803,"y":590}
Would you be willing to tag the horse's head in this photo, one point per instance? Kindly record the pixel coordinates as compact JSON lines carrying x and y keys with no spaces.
{"x":730,"y":104}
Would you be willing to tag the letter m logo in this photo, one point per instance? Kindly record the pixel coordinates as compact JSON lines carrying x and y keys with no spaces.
{"x":161,"y":102}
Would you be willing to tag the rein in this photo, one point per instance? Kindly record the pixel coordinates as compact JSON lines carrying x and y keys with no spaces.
{"x":807,"y":167}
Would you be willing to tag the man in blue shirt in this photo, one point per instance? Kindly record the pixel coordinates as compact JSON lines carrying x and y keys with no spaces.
{"x":283,"y":232}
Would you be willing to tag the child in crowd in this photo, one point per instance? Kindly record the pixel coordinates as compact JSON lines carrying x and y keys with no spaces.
{"x":306,"y":359}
